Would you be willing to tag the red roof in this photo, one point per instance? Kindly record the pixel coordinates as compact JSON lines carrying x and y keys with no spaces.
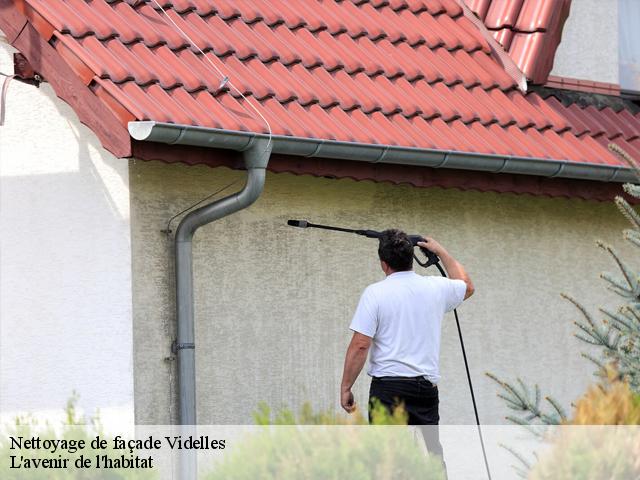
{"x":530,"y":30}
{"x":415,"y":73}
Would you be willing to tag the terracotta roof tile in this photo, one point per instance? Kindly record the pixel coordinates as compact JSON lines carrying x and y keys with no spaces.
{"x":502,"y":13}
{"x":517,"y":140}
{"x":150,"y":31}
{"x":88,"y":21}
{"x":588,"y":117}
{"x":504,"y":36}
{"x":578,"y":127}
{"x":632,"y":147}
{"x":529,"y":30}
{"x":557,"y":121}
{"x":397,"y":72}
{"x":538,"y":16}
{"x":480,"y":7}
{"x":629,"y":125}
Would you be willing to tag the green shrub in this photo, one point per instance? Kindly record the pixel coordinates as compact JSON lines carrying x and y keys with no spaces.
{"x":326,"y":445}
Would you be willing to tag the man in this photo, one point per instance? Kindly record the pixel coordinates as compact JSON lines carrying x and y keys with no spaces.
{"x":400,"y":317}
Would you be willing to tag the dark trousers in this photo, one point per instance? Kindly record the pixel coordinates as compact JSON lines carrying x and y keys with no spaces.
{"x":418,"y":396}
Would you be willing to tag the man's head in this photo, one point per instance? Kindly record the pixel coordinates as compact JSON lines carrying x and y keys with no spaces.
{"x":395,"y":251}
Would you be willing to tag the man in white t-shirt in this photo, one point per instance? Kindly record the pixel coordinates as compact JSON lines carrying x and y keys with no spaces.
{"x":399,"y":320}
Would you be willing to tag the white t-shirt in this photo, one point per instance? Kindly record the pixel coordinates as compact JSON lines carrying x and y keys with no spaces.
{"x":403,"y":314}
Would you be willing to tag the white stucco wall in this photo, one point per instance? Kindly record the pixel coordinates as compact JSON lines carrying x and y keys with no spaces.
{"x":65,"y":263}
{"x":589,"y":46}
{"x":273,"y":303}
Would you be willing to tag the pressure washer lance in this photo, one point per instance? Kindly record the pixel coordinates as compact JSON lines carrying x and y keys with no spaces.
{"x":432,"y":259}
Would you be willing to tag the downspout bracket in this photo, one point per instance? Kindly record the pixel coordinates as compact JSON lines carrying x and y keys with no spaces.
{"x":175,"y":346}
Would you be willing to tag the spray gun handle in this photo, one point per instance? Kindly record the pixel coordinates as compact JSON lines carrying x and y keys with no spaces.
{"x":432,"y":258}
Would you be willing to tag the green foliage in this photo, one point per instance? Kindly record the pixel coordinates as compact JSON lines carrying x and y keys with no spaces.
{"x":528,"y":404}
{"x":380,"y":415}
{"x":326,"y":445}
{"x":285,"y":416}
{"x":75,"y":427}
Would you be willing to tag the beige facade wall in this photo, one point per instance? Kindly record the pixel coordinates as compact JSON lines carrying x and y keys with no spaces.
{"x":273,"y":303}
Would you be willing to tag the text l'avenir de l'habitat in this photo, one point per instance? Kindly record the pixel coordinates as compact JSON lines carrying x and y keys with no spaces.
{"x":103,"y":461}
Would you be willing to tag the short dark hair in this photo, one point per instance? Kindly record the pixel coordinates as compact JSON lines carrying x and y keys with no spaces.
{"x":396,"y":250}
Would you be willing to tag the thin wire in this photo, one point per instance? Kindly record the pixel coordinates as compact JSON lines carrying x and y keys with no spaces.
{"x":168,"y":230}
{"x":225,"y":78}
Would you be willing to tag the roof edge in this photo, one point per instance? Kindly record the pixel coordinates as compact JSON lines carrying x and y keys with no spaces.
{"x":175,"y":134}
{"x":24,"y":28}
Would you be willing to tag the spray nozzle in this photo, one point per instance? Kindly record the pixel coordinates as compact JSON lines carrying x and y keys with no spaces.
{"x":298,"y":223}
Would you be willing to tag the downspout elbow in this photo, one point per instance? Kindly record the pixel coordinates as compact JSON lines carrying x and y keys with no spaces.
{"x":256,"y":158}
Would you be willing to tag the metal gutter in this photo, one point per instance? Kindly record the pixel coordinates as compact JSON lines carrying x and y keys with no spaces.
{"x":375,"y":153}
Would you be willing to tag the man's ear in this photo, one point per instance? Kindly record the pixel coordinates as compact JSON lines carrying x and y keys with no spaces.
{"x":384,"y":265}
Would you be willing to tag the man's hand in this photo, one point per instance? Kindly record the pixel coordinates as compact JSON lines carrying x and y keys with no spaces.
{"x":353,"y":362}
{"x":431,"y":245}
{"x":347,"y":401}
{"x":454,"y":269}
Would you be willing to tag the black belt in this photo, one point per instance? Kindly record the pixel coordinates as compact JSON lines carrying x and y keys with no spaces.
{"x":408,"y":379}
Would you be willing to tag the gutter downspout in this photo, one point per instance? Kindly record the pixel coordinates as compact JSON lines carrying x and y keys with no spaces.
{"x":256,"y":158}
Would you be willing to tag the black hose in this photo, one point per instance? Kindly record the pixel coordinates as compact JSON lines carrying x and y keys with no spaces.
{"x":466,"y":366}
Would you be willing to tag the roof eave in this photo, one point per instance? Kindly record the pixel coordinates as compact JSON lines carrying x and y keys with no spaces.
{"x":175,"y":134}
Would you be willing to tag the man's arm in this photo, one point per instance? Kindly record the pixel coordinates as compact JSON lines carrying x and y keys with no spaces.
{"x":454,"y":269}
{"x":354,"y":361}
